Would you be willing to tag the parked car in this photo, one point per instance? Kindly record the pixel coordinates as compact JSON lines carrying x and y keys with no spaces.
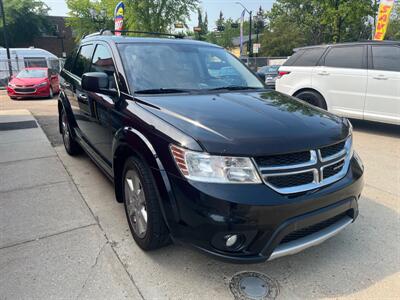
{"x":25,"y":58}
{"x":222,"y":164}
{"x":269,"y":75}
{"x":356,"y":80}
{"x":33,"y":83}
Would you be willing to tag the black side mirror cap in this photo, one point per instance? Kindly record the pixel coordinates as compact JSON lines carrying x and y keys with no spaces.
{"x":95,"y":82}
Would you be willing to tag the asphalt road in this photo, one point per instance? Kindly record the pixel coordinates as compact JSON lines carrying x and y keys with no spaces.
{"x":362,"y":262}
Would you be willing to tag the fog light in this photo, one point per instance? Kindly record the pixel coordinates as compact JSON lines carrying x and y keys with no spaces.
{"x":230,"y":240}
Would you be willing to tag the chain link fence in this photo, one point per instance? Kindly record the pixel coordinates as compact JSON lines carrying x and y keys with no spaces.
{"x":13,"y":66}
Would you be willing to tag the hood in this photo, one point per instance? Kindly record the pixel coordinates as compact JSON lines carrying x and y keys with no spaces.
{"x":27,"y":81}
{"x":249,"y":123}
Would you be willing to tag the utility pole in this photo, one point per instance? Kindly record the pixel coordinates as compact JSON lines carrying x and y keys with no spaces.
{"x":250,"y":29}
{"x":3,"y":14}
{"x":250,"y":47}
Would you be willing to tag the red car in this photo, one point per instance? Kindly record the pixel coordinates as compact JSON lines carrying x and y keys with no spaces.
{"x":34,"y":82}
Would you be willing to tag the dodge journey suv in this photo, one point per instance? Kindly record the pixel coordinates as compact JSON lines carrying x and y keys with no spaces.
{"x":201,"y":153}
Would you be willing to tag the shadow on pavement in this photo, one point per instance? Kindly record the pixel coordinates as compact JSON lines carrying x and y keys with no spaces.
{"x":376,"y":128}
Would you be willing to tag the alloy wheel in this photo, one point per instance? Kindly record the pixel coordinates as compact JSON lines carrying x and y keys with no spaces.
{"x":65,"y":131}
{"x":135,"y":202}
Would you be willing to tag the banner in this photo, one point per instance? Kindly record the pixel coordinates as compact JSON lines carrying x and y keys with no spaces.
{"x":241,"y":32}
{"x":119,"y":17}
{"x":385,"y":9}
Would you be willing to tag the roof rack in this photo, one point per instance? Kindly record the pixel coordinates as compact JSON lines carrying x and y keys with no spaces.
{"x":112,"y":32}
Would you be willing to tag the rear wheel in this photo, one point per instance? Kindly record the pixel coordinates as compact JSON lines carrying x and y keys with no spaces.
{"x":71,"y":146}
{"x":313,"y":98}
{"x":142,"y":206}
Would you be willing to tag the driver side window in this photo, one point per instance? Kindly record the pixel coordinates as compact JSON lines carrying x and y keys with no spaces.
{"x":102,"y":62}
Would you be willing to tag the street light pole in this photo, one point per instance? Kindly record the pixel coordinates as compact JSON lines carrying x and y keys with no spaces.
{"x":3,"y":14}
{"x":250,"y":47}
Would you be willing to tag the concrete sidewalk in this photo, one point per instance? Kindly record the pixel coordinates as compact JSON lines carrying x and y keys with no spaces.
{"x":51,"y":246}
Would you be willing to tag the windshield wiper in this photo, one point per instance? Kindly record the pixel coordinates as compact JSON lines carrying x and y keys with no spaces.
{"x":162,"y":91}
{"x":235,"y":88}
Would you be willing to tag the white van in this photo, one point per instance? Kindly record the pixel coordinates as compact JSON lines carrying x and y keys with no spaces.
{"x":355,"y":80}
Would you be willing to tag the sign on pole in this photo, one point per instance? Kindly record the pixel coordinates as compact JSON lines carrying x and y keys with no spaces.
{"x":256,"y":48}
{"x":385,"y":9}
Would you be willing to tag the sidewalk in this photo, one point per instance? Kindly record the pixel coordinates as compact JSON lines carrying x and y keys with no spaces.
{"x":51,"y":246}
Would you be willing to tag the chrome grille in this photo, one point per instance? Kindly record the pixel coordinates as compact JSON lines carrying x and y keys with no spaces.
{"x":293,"y":173}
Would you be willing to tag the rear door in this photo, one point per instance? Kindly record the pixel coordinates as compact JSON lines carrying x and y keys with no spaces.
{"x":298,"y":70}
{"x":342,"y":78}
{"x":100,"y":132}
{"x":383,"y":93}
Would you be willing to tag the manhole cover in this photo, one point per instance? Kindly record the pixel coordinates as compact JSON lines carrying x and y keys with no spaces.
{"x":253,"y":286}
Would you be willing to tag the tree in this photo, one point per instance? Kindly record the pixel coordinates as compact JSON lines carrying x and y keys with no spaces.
{"x":158,"y":15}
{"x":86,"y":16}
{"x":145,"y":15}
{"x":316,"y":22}
{"x":202,"y":24}
{"x":26,"y":19}
{"x":393,"y":32}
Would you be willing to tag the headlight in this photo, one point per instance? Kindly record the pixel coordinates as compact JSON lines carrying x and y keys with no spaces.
{"x":42,"y":84}
{"x":11,"y":85}
{"x":198,"y":166}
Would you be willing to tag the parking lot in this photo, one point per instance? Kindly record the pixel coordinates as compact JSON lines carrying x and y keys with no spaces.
{"x":361,"y":262}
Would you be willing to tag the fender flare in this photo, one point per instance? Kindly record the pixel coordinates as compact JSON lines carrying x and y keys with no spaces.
{"x":137,"y":143}
{"x":63,"y":103}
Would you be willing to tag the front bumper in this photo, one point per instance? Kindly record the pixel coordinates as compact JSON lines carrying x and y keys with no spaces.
{"x":36,"y":92}
{"x":273,"y":225}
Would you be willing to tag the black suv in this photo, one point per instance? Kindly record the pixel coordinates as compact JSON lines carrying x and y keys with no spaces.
{"x":202,"y":153}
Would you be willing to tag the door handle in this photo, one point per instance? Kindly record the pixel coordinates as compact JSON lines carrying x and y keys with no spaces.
{"x":381,"y":77}
{"x":323,"y":73}
{"x":83,"y":98}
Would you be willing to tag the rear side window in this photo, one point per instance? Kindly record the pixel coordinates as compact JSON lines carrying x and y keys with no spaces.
{"x":386,"y":58}
{"x":345,"y":57}
{"x":291,"y":60}
{"x":82,"y":62}
{"x":305,"y":57}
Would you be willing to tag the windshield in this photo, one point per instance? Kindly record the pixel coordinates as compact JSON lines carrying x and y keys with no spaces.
{"x":174,"y":67}
{"x":32,"y":74}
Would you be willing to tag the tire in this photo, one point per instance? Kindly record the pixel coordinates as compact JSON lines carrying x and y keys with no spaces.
{"x":70,"y":144}
{"x":313,"y":98}
{"x":142,"y":208}
{"x":51,"y":93}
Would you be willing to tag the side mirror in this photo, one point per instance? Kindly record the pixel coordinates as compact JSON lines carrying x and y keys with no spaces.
{"x":95,"y":82}
{"x":261,"y":76}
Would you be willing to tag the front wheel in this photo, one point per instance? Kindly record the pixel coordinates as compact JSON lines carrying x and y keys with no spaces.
{"x":51,"y":93}
{"x":312,"y":98}
{"x":71,"y":146}
{"x":142,"y":207}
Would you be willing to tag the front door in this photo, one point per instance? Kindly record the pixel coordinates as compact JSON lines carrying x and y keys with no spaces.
{"x":82,"y":108}
{"x":383,"y":94}
{"x":100,"y":132}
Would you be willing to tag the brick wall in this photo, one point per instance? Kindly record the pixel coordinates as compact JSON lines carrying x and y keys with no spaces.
{"x":58,"y":42}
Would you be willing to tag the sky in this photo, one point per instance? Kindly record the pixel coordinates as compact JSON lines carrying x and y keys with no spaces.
{"x":213,"y":7}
